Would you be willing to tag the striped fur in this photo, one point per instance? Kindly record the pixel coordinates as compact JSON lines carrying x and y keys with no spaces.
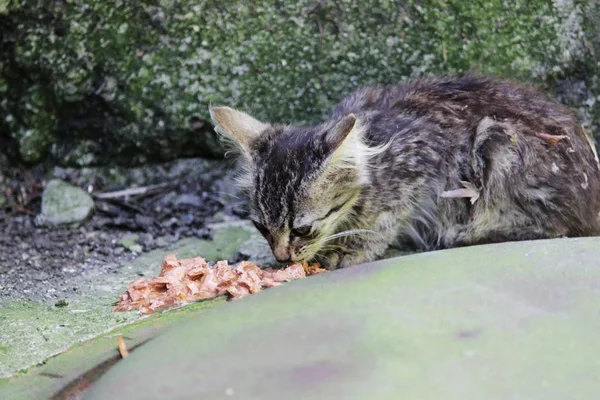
{"x":386,"y":169}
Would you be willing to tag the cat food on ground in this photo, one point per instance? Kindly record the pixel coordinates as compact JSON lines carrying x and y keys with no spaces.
{"x":191,"y":279}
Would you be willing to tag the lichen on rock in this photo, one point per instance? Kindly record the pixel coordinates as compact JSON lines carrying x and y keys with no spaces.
{"x":99,"y":82}
{"x":63,"y":203}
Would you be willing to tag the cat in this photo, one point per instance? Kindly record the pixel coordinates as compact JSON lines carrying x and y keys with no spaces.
{"x":434,"y":163}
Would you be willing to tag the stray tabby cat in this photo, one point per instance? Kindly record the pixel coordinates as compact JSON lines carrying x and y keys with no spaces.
{"x":431,"y":164}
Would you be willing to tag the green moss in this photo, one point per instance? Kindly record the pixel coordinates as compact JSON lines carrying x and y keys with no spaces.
{"x":4,"y":4}
{"x":34,"y":125}
{"x":136,"y":82}
{"x":34,"y":144}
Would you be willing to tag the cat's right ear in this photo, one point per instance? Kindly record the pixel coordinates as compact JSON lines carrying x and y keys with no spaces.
{"x":236,"y":127}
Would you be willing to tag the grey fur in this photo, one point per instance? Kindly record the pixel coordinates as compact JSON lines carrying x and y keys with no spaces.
{"x":523,"y":165}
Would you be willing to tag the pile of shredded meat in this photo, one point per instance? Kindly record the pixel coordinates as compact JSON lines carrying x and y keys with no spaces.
{"x":191,"y":279}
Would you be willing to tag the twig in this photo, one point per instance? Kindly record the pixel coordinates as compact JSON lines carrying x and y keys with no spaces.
{"x":551,"y":139}
{"x":122,"y":347}
{"x":23,"y":210}
{"x":137,"y":191}
{"x":468,"y":190}
{"x":125,"y":204}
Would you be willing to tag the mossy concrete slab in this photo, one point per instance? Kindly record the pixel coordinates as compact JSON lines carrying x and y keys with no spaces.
{"x":69,"y":374}
{"x":31,"y":332}
{"x":506,"y":321}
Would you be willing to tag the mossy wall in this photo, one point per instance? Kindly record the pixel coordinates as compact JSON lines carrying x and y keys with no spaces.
{"x":113,"y":81}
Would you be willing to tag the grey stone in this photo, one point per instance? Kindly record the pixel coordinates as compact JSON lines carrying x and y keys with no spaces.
{"x":61,"y":303}
{"x":63,"y":203}
{"x":129,"y":240}
{"x":257,"y":249}
{"x":136,"y":248}
{"x":161,"y":242}
{"x":188,"y":200}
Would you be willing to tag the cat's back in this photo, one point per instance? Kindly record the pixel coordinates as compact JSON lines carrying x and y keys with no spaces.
{"x":453,"y":101}
{"x":508,"y":139}
{"x":462,"y":107}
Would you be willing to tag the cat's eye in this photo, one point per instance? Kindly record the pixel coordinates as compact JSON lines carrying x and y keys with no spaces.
{"x":302,"y":230}
{"x":334,"y":209}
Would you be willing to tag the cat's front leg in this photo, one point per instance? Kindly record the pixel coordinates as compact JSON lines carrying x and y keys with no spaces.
{"x":335,"y":260}
{"x":332,"y":261}
{"x":366,"y":246}
{"x":358,"y":252}
{"x":329,"y":261}
{"x":348,"y":260}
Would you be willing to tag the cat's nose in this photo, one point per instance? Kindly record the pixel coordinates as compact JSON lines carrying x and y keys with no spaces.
{"x":282,"y":254}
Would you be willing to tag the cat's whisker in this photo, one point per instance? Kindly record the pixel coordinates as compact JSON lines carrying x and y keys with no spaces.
{"x":334,"y":248}
{"x":346,"y":233}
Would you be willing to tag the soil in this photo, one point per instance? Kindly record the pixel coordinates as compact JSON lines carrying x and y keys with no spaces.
{"x":40,"y":262}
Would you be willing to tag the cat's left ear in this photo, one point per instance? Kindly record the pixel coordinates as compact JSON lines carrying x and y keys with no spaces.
{"x":349,"y":150}
{"x":343,"y":131}
{"x":346,"y":143}
{"x":236,"y":126}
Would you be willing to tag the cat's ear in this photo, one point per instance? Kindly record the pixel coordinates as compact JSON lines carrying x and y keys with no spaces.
{"x":341,"y":131}
{"x":236,"y":126}
{"x":349,"y":150}
{"x":345,"y":141}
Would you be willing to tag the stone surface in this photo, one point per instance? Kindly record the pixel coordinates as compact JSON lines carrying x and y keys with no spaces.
{"x":512,"y":320}
{"x":256,"y":248}
{"x":63,"y":203}
{"x":95,"y":82}
{"x":129,"y":240}
{"x":31,"y":332}
{"x":67,"y":375}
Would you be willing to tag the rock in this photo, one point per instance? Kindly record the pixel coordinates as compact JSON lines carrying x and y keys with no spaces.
{"x":41,"y":276}
{"x":136,"y":248}
{"x":147,"y":240}
{"x":129,"y":240}
{"x":257,"y":249}
{"x":143,"y":221}
{"x":63,"y":203}
{"x":3,"y":200}
{"x":190,"y":200}
{"x":140,"y":91}
{"x":61,"y":303}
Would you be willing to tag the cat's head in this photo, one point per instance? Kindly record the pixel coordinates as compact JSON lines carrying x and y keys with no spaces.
{"x":302,"y":182}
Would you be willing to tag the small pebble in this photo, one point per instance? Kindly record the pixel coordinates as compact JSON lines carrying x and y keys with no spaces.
{"x":61,"y":303}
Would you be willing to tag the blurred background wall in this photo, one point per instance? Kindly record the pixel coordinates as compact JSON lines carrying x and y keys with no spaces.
{"x":94,"y":82}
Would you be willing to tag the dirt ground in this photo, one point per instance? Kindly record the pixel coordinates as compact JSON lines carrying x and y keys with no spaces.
{"x":40,"y":262}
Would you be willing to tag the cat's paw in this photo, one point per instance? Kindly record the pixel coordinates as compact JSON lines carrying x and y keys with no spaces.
{"x":334,"y":261}
{"x":349,"y":260}
{"x":331,"y":261}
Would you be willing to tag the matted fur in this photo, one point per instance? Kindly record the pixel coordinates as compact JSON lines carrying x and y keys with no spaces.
{"x":390,"y":165}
